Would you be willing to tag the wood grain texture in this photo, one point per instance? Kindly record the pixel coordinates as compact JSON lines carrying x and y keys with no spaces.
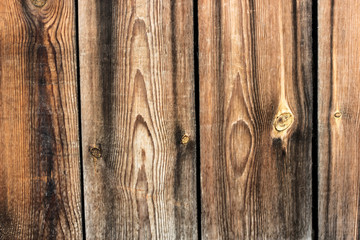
{"x":256,"y":118}
{"x":338,"y":124}
{"x":39,"y":145}
{"x":137,"y":102}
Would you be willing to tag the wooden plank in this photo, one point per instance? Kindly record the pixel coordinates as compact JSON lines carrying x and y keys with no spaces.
{"x":137,"y":101}
{"x":338,"y":123}
{"x":40,"y":195}
{"x":256,"y":118}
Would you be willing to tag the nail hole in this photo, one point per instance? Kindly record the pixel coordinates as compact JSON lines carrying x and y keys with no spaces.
{"x":95,"y":152}
{"x":185,"y":139}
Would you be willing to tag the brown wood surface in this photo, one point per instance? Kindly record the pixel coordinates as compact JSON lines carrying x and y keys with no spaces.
{"x":339,"y":103}
{"x":256,"y":118}
{"x":39,"y":145}
{"x":138,"y":119}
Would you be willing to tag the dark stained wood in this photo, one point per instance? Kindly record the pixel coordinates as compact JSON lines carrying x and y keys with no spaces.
{"x":39,"y":146}
{"x":339,"y":102}
{"x":137,"y":104}
{"x":256,"y":119}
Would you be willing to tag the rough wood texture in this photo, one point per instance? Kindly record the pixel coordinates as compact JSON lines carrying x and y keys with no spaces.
{"x":39,"y":145}
{"x":256,"y":118}
{"x":137,"y":102}
{"x":339,"y":103}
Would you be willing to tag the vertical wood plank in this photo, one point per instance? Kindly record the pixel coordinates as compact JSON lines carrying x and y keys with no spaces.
{"x":40,"y":195}
{"x":339,"y":86}
{"x":138,"y":120}
{"x":256,"y":118}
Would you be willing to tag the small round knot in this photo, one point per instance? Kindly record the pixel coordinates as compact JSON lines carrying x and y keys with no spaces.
{"x":95,"y":152}
{"x":39,"y":3}
{"x":185,"y":139}
{"x":283,"y":121}
{"x":338,"y":115}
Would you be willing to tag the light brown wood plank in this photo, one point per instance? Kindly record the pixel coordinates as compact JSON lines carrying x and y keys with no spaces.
{"x":137,"y":102}
{"x":339,"y":103}
{"x":39,"y":146}
{"x":256,"y":118}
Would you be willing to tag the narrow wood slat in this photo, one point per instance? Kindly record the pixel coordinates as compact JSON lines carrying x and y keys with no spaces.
{"x":256,"y":118}
{"x":338,"y":119}
{"x":40,"y":195}
{"x":137,"y":104}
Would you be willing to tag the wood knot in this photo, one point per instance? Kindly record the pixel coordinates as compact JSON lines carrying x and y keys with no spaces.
{"x":95,"y":152}
{"x":337,"y":115}
{"x":283,"y":121}
{"x":185,"y":139}
{"x":39,"y":3}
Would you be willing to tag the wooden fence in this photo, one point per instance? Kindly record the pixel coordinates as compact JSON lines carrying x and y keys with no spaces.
{"x":179,"y":119}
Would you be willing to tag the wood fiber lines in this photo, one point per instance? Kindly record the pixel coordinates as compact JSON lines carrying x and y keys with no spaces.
{"x":256,"y":119}
{"x":137,"y":101}
{"x":40,"y":194}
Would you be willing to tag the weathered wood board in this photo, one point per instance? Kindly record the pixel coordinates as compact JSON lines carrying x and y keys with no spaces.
{"x":40,"y":194}
{"x":338,"y":124}
{"x":138,"y":119}
{"x":256,"y":104}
